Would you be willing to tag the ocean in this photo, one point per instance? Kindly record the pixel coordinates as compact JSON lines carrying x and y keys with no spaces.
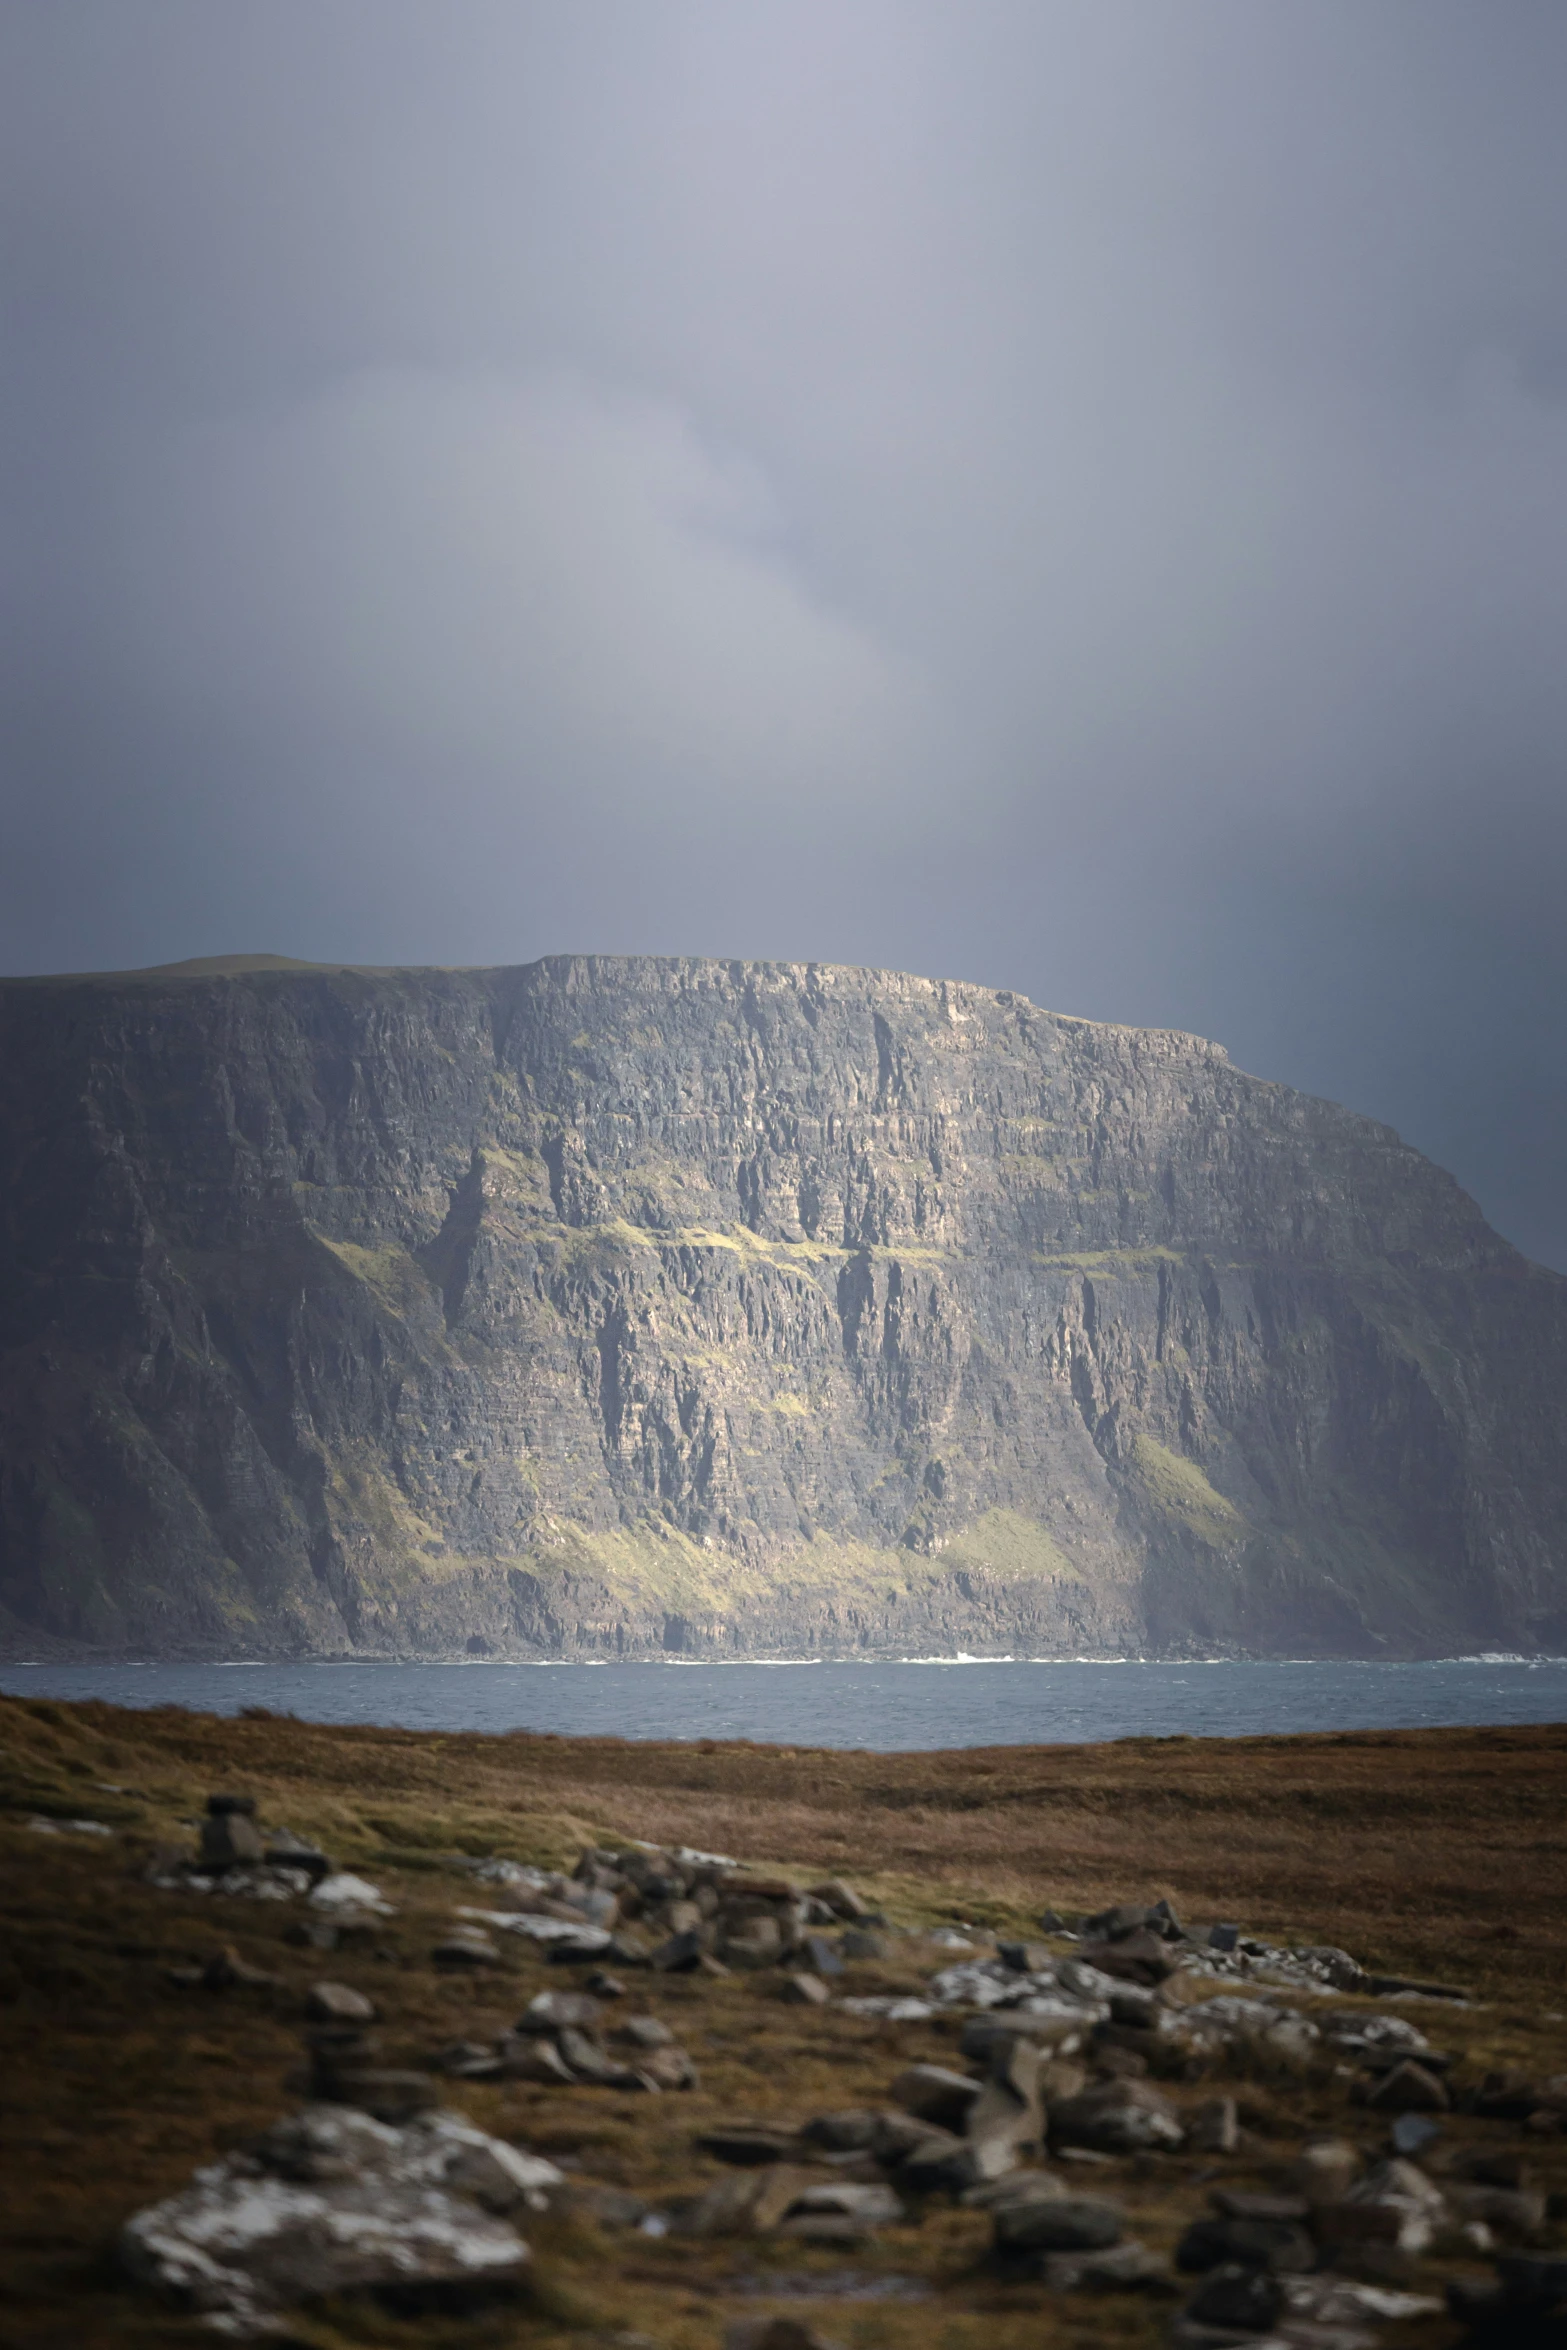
{"x":926,"y":1703}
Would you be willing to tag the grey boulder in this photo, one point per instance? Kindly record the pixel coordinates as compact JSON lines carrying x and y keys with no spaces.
{"x":1123,"y":2117}
{"x":331,"y":2202}
{"x":1055,"y":2223}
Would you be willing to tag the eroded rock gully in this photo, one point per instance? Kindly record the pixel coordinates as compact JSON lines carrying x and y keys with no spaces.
{"x":632,"y":1307}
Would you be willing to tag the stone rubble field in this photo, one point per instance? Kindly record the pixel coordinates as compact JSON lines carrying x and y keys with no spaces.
{"x":658,"y":2095}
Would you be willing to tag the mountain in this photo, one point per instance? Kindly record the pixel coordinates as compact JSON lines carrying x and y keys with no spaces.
{"x":627,"y":1307}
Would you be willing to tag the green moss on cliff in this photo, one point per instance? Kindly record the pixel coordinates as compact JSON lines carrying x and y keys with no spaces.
{"x":1014,"y":1548}
{"x":396,"y":1279}
{"x":658,"y":1566}
{"x":1176,"y":1489}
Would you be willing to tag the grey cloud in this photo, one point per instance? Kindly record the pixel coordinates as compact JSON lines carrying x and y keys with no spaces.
{"x":1074,"y":495}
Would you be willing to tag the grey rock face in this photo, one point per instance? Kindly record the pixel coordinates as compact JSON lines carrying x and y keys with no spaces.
{"x":631,"y":1307}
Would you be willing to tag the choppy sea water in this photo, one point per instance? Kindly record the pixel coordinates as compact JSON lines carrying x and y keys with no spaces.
{"x":934,"y":1703}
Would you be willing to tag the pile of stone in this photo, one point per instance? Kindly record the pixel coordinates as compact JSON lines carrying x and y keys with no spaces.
{"x":1334,"y":2245}
{"x":1146,"y":1944}
{"x":332,"y":2201}
{"x":679,"y":1913}
{"x":1140,"y":1945}
{"x":561,"y":2041}
{"x":1113,"y":2000}
{"x":344,"y":2063}
{"x":786,"y":2198}
{"x":571,"y":1918}
{"x":701,"y":1912}
{"x":233,"y":1857}
{"x":963,"y":2136}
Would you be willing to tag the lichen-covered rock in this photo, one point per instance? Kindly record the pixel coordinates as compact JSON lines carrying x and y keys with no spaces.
{"x":627,"y":1307}
{"x":332,"y":2201}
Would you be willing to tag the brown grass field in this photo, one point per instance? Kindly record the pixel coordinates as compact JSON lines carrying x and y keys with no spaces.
{"x":1435,"y":1853}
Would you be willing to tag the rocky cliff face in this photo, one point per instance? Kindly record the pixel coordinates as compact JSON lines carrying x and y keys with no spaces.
{"x":630,"y":1307}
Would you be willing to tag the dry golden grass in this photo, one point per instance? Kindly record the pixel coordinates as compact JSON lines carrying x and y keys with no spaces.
{"x":1441,"y":1853}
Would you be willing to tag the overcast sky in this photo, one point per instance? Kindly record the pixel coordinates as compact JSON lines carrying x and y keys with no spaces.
{"x":1063,"y":493}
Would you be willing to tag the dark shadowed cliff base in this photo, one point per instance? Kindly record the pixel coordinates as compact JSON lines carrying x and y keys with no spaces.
{"x":628,"y":1308}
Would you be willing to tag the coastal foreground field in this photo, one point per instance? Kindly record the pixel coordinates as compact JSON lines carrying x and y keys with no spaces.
{"x":151,"y":2024}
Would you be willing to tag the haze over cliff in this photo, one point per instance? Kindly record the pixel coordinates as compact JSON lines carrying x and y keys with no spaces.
{"x":632,"y":1307}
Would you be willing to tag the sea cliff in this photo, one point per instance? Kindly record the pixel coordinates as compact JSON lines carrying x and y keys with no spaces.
{"x":639,"y":1307}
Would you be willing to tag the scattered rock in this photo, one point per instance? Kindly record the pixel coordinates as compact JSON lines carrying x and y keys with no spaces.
{"x":285,"y":1850}
{"x":1328,"y":2300}
{"x":469,"y":2060}
{"x":1215,"y":2127}
{"x":1324,"y":2170}
{"x":1249,"y":2299}
{"x":1057,"y":2044}
{"x":341,"y":1893}
{"x":537,"y":2060}
{"x":1054,"y":2223}
{"x":747,"y":2146}
{"x":580,"y":1946}
{"x":1280,"y":2245}
{"x":1393,"y":2211}
{"x":1124,"y":2117}
{"x":785,"y":2199}
{"x":465,"y":1946}
{"x":229,"y":1836}
{"x":890,"y":2008}
{"x":1008,"y":2111}
{"x":841,"y":1899}
{"x":1514,"y":2214}
{"x":333,"y":2202}
{"x":667,"y":2068}
{"x":683,"y":1953}
{"x":942,"y":2164}
{"x":1061,"y":2030}
{"x":556,"y":2011}
{"x":1116,"y":1924}
{"x":1128,"y":2267}
{"x":932,"y":2094}
{"x":1409,"y":2088}
{"x":851,"y":2132}
{"x":1141,"y":1957}
{"x":582,"y":1940}
{"x":645,"y":2031}
{"x":755,"y":1941}
{"x":806,"y":1991}
{"x":390,"y":2094}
